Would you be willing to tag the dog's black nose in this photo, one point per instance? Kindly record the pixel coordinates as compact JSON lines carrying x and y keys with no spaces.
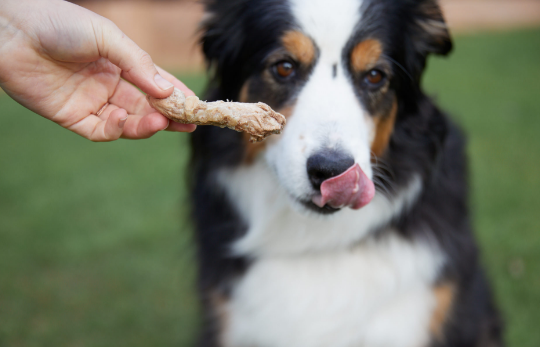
{"x":326,"y":164}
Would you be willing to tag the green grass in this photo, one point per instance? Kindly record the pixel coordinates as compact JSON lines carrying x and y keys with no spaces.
{"x":95,"y":245}
{"x":94,"y":241}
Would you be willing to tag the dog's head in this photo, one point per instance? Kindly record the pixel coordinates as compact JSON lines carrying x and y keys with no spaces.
{"x":343,"y":72}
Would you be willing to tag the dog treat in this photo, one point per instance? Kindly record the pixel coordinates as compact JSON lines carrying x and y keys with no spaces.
{"x":258,"y":120}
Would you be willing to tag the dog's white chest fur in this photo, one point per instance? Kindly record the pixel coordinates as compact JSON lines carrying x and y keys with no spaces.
{"x":377,"y":294}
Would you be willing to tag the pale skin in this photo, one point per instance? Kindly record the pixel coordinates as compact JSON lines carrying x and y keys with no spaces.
{"x":78,"y":69}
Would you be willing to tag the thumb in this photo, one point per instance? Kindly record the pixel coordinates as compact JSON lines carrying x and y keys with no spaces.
{"x":136,"y":65}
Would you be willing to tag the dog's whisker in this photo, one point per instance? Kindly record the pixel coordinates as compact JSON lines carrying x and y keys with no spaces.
{"x":400,"y":67}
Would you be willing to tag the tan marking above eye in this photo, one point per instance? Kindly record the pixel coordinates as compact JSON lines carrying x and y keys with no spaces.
{"x":300,"y":46}
{"x":365,"y":55}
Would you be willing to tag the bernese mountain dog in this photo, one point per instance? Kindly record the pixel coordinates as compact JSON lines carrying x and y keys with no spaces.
{"x":351,"y":228}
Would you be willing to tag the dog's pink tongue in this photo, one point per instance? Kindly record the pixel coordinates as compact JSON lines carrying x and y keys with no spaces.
{"x":352,"y":188}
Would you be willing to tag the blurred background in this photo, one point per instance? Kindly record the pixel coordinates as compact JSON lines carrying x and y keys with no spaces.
{"x":95,"y":239}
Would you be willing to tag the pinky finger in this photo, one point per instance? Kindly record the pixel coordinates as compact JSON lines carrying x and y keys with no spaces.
{"x":114,"y":126}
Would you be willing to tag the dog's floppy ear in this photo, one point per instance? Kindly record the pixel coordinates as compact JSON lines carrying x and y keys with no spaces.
{"x":430,"y":31}
{"x":427,"y":34}
{"x":237,"y":35}
{"x":222,"y":36}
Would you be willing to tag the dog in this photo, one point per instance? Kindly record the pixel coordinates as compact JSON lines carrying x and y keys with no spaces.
{"x":351,"y":228}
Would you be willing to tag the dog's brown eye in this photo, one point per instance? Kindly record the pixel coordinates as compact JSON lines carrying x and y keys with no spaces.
{"x":374,"y":77}
{"x":284,"y":69}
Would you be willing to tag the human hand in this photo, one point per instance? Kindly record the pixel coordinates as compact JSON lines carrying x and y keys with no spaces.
{"x":73,"y":67}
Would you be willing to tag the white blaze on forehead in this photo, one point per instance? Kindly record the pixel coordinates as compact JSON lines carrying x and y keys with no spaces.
{"x":327,"y":112}
{"x":329,"y":23}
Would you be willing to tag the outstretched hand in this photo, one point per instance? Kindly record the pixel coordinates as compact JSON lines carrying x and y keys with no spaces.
{"x":73,"y":67}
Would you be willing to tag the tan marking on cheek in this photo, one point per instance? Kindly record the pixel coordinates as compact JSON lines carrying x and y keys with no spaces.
{"x":444,"y":297}
{"x":253,"y":149}
{"x":244,"y":93}
{"x":365,"y":55}
{"x":384,"y":127}
{"x":287,"y":111}
{"x":220,"y":313}
{"x":300,"y":46}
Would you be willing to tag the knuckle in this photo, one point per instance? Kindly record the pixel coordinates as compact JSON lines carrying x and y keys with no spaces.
{"x":145,"y":60}
{"x":109,"y":24}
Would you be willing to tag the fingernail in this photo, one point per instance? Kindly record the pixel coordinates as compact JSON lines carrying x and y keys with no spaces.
{"x":168,"y":122}
{"x":190,"y":128}
{"x":162,"y":82}
{"x":122,"y":122}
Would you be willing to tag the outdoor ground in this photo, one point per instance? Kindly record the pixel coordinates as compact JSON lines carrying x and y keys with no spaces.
{"x":95,"y":243}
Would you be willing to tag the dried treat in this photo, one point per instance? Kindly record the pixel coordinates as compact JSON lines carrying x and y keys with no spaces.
{"x":258,"y":120}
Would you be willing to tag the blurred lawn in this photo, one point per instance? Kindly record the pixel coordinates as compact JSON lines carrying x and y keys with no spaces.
{"x":95,"y":244}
